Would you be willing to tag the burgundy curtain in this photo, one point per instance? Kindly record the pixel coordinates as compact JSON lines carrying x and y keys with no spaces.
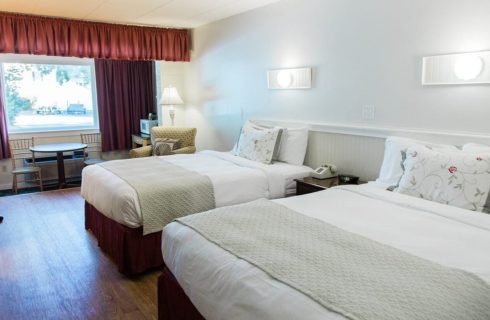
{"x":62,"y":37}
{"x":4,"y":135}
{"x":125,"y":94}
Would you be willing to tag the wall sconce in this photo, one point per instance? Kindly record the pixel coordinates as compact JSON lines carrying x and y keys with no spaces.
{"x":465,"y":68}
{"x":283,"y":79}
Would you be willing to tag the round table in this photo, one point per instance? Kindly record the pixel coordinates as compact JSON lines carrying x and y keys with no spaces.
{"x":59,"y":148}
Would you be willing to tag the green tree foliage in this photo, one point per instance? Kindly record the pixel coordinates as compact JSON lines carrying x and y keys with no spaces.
{"x":15,"y":103}
{"x":14,"y":73}
{"x":62,"y":76}
{"x":79,"y":74}
{"x":44,"y":69}
{"x":83,"y":76}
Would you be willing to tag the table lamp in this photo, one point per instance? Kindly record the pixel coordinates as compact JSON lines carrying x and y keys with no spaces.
{"x":171,"y":97}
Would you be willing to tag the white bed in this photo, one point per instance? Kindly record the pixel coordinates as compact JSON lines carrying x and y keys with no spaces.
{"x":235,"y":180}
{"x":222,"y":286}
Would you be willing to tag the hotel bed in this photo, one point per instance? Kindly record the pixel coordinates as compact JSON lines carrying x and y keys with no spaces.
{"x":113,"y":212}
{"x":202,"y":279}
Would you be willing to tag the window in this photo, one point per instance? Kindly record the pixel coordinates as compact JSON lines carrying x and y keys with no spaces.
{"x":49,"y":93}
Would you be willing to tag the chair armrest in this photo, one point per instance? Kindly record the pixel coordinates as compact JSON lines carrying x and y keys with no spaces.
{"x":184,"y":150}
{"x":145,"y":151}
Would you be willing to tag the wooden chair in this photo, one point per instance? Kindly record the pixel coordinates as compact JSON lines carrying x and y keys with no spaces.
{"x":20,"y":152}
{"x":93,"y":153}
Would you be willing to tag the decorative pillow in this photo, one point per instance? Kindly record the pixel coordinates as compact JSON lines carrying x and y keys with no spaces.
{"x":455,"y":178}
{"x":164,"y":146}
{"x":249,"y":125}
{"x":259,"y":145}
{"x":391,"y":170}
{"x":294,"y":142}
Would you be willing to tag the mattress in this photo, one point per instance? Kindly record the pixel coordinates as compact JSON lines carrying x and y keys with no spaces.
{"x":235,"y":180}
{"x":222,"y":286}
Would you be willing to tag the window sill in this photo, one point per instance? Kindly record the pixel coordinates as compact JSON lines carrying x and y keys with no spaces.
{"x":50,"y":134}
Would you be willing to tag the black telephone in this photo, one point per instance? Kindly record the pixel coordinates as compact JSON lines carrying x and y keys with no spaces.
{"x":348,"y":179}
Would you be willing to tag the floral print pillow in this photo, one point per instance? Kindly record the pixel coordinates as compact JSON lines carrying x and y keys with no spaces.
{"x":259,"y":145}
{"x":455,"y":178}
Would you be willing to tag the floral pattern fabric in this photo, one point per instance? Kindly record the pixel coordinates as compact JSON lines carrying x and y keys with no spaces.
{"x":259,"y":145}
{"x":455,"y":178}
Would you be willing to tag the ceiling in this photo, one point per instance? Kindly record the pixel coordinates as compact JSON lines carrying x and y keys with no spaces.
{"x":166,"y":13}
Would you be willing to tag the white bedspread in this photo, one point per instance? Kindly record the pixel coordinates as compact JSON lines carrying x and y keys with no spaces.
{"x":235,"y":180}
{"x":222,"y":286}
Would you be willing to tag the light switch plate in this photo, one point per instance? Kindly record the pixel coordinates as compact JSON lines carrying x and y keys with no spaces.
{"x":368,"y":113}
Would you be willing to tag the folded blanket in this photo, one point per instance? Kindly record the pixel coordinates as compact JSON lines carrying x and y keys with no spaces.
{"x":165,"y":191}
{"x":346,"y":273}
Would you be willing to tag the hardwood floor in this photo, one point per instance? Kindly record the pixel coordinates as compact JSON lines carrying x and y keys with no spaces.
{"x":52,"y":268}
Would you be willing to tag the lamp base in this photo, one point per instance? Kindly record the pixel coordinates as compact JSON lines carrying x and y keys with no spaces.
{"x":171,"y":113}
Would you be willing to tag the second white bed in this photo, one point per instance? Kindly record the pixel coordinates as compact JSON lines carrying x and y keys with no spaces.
{"x":222,"y":286}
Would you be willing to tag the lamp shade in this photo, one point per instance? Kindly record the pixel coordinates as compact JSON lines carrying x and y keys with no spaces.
{"x":170,"y":97}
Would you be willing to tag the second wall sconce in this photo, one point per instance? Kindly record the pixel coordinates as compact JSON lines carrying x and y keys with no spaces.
{"x":284,"y":79}
{"x":463,"y":68}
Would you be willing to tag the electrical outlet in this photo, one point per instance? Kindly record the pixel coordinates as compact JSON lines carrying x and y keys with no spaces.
{"x":368,"y":113}
{"x":4,"y":168}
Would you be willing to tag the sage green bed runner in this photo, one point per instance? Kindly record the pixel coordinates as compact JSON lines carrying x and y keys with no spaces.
{"x":165,"y":191}
{"x":346,"y":273}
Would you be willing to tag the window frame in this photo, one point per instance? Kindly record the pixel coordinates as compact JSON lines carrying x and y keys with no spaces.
{"x":39,"y":59}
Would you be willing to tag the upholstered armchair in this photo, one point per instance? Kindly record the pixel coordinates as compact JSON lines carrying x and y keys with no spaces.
{"x":186,"y":137}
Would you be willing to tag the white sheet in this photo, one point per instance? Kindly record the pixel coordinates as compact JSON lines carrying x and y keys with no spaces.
{"x":222,"y":286}
{"x":235,"y":180}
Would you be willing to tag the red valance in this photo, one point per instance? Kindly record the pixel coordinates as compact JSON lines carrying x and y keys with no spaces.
{"x":28,"y":34}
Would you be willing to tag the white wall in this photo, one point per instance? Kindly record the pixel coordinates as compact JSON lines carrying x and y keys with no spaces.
{"x":362,"y":52}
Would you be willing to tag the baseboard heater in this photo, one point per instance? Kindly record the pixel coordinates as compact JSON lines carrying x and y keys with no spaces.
{"x":76,"y":155}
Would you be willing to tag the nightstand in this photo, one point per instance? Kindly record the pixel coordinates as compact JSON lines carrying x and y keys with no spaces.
{"x":140,"y":140}
{"x":309,"y":184}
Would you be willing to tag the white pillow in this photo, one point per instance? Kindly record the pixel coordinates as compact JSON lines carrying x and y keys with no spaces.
{"x":259,"y":145}
{"x":476,"y":148}
{"x":391,"y":169}
{"x":294,"y":142}
{"x":455,"y":178}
